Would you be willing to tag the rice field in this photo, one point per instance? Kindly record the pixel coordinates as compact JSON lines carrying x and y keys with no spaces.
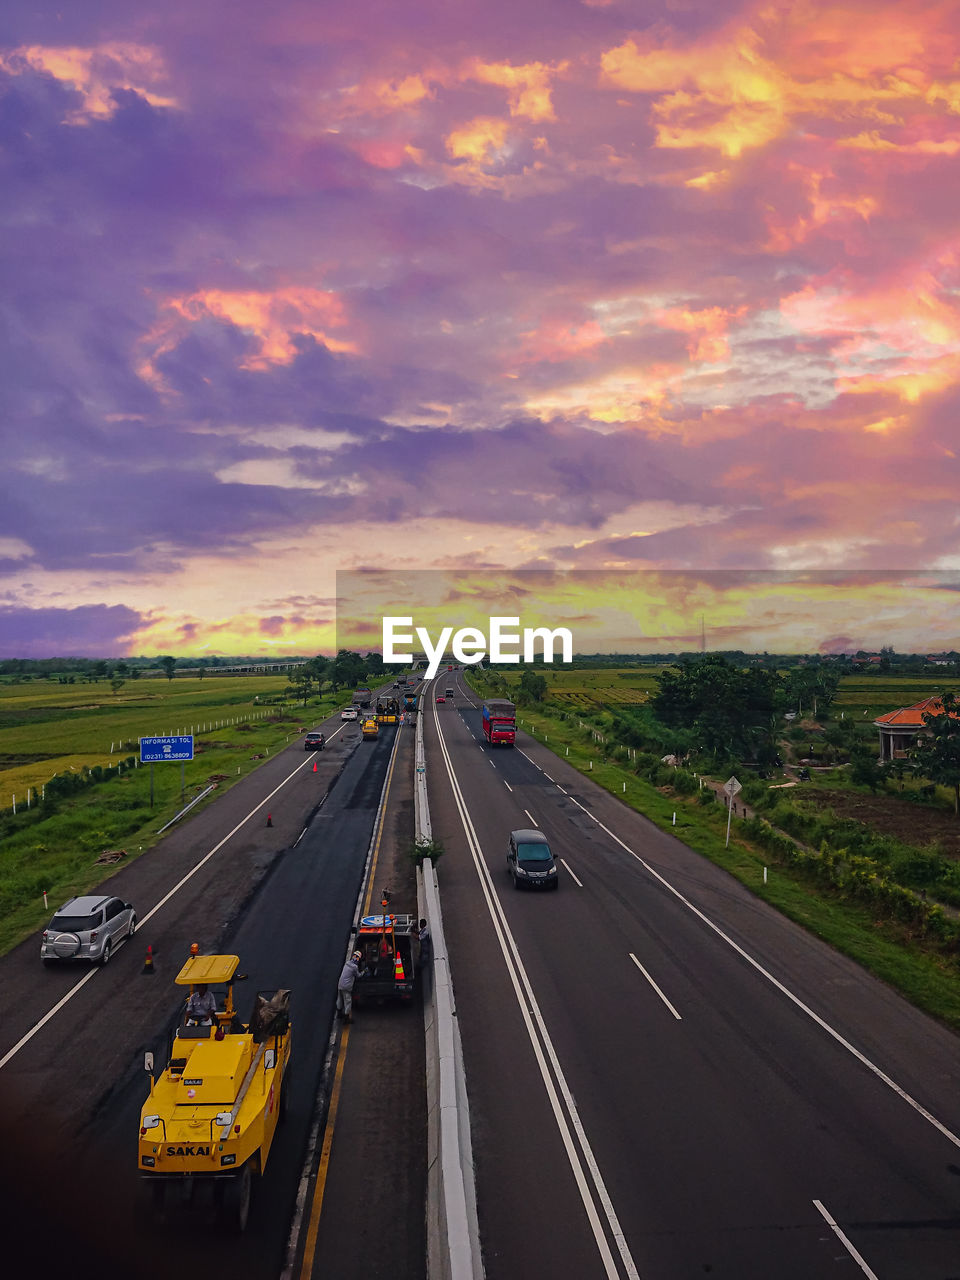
{"x":48,"y":728}
{"x":863,"y":697}
{"x":601,"y":688}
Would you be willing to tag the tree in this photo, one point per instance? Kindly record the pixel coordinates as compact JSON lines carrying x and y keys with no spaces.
{"x":374,"y":663}
{"x":347,"y":668}
{"x":864,"y":769}
{"x":729,"y":710}
{"x":534,"y":685}
{"x":318,"y":667}
{"x":937,"y":753}
{"x":301,"y":683}
{"x":168,"y":664}
{"x":116,"y":684}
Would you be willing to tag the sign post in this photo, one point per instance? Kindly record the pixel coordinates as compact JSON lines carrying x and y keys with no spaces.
{"x":173,"y":747}
{"x":730,"y":789}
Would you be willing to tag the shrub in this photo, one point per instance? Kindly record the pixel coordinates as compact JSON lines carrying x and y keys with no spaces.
{"x":420,"y":849}
{"x":684,"y":783}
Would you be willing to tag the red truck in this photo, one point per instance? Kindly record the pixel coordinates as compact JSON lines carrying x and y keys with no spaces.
{"x":499,"y":722}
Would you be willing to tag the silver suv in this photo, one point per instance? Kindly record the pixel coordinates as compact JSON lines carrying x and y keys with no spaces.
{"x":87,"y":928}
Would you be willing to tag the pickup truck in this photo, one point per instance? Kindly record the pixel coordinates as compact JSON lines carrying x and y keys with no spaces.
{"x":389,"y":945}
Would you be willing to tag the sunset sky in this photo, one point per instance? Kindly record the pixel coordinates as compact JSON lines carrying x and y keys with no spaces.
{"x":581,"y":284}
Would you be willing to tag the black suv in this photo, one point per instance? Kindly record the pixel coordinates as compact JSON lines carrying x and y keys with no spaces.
{"x":314,"y":741}
{"x":531,"y":862}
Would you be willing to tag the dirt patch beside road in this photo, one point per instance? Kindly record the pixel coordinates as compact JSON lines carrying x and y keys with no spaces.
{"x":914,"y":824}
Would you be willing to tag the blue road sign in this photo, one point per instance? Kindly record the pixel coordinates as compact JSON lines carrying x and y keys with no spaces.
{"x":178,"y":747}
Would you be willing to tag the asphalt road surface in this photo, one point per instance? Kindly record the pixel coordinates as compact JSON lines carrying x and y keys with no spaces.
{"x":279,"y":896}
{"x":667,"y":1079}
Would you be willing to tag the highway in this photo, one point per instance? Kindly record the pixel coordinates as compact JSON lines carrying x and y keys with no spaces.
{"x":282,"y":897}
{"x":666,"y":1077}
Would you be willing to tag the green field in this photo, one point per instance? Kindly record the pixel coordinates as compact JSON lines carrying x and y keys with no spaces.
{"x":600,"y":689}
{"x":875,"y":695}
{"x":610,"y":688}
{"x":48,"y":730}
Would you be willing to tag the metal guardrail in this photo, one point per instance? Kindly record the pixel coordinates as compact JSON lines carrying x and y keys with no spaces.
{"x":453,"y":1238}
{"x":196,"y":800}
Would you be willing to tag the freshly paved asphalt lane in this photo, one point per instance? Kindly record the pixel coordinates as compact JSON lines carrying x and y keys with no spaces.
{"x":365,"y":1210}
{"x":71,"y":1096}
{"x":716,"y":1133}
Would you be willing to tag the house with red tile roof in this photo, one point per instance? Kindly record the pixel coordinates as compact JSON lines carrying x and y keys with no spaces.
{"x":900,"y":729}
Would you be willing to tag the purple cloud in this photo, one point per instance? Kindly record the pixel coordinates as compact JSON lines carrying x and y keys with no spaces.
{"x":94,"y":631}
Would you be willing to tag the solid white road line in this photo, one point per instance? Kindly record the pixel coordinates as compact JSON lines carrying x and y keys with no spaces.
{"x":846,"y":1243}
{"x":567,"y":865}
{"x":588,"y":813}
{"x":543,"y":1050}
{"x":37,"y":1026}
{"x":655,"y":987}
{"x":784,"y":990}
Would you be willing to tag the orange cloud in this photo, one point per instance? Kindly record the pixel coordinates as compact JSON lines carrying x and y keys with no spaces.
{"x":708,"y":329}
{"x":750,"y":83}
{"x":386,"y":153}
{"x":95,"y":73}
{"x":827,"y":206}
{"x":397,"y":95}
{"x":909,"y":387}
{"x":273,"y":318}
{"x":557,"y":340}
{"x":908,"y":316}
{"x":529,"y":85}
{"x":626,"y":395}
{"x":871,"y":140}
{"x":478,"y":141}
{"x":723,"y":95}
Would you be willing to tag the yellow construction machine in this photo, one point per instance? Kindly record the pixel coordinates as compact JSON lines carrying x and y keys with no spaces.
{"x":207,"y":1127}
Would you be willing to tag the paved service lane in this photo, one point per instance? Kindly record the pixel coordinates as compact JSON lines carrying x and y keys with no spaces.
{"x":71,"y":1095}
{"x":733,"y":1132}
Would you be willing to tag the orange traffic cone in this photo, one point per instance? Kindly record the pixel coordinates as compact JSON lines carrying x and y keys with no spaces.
{"x":314,"y":766}
{"x":148,"y":962}
{"x":398,"y":974}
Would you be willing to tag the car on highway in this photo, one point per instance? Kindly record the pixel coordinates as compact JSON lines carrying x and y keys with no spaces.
{"x":349,"y":713}
{"x":530,"y":861}
{"x":87,"y":928}
{"x":449,"y":693}
{"x":441,"y":698}
{"x":314,"y":741}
